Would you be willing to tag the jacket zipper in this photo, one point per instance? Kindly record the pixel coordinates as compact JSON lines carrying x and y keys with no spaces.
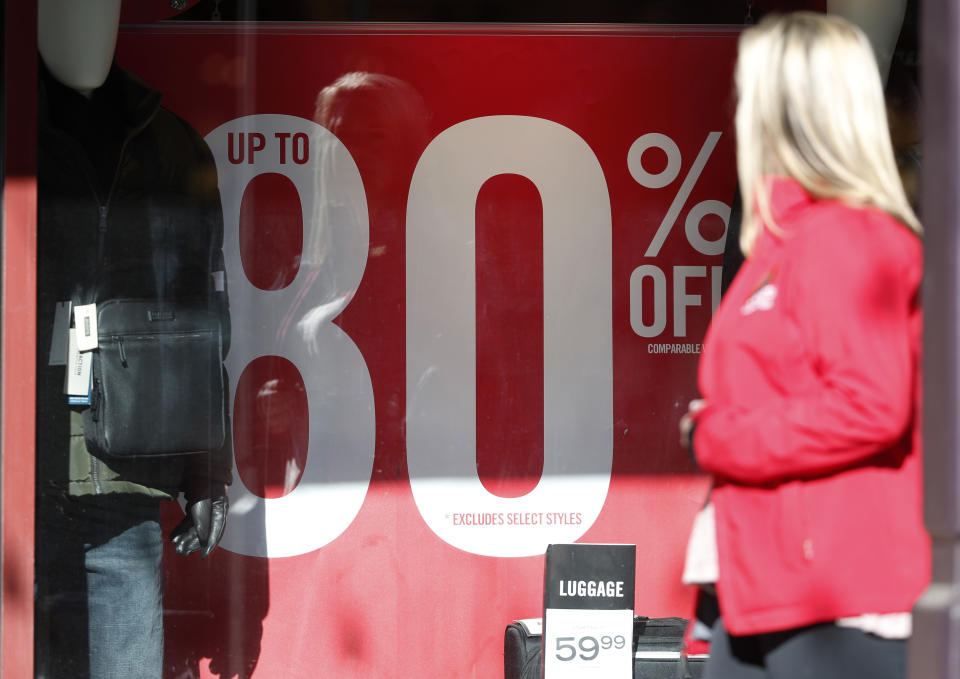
{"x":101,"y":244}
{"x":103,"y":207}
{"x":103,"y":211}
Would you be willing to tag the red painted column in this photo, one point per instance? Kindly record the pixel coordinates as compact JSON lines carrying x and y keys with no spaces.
{"x":18,"y":338}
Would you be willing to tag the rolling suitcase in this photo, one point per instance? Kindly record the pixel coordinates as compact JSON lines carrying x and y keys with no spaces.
{"x":657,"y":645}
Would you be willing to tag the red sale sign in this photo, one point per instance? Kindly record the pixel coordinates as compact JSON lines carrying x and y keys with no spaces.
{"x":469,"y":272}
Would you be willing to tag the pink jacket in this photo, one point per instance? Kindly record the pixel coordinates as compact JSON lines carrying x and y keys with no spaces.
{"x":810,"y":370}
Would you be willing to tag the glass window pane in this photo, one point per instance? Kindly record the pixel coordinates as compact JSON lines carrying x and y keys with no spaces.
{"x":359,"y":306}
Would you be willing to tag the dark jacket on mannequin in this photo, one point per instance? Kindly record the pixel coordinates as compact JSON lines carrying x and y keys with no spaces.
{"x":128,"y":207}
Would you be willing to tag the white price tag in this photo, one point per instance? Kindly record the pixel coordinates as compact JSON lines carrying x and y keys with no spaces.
{"x":85,"y":320}
{"x":588,"y":643}
{"x":77,"y":383}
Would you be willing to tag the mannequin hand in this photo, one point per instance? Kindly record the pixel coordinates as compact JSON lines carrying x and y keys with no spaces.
{"x":203,"y":525}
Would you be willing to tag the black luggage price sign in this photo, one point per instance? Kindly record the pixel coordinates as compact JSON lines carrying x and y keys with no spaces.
{"x":588,"y":611}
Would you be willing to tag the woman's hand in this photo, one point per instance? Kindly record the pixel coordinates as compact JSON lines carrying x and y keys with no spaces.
{"x":687,"y":422}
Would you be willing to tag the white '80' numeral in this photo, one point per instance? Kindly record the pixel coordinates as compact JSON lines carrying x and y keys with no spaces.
{"x":440,"y":333}
{"x":295,"y":323}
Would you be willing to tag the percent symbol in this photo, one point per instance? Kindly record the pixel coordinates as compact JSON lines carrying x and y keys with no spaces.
{"x":666,"y":177}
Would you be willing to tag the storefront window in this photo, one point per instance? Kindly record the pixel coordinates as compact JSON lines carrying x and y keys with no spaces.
{"x":361,"y":305}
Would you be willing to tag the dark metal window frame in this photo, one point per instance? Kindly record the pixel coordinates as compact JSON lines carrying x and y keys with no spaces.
{"x":935,"y":646}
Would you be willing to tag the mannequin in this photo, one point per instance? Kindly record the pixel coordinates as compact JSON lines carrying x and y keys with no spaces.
{"x":100,"y":127}
{"x":77,"y":39}
{"x":881,"y":21}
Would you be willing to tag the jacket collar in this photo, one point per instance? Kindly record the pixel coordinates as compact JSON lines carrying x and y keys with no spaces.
{"x":130,"y":101}
{"x":786,"y":196}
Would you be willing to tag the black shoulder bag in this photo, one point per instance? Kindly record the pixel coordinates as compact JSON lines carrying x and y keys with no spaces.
{"x":158,"y":383}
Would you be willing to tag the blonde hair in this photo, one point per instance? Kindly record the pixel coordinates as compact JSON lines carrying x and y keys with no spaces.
{"x":811,"y":107}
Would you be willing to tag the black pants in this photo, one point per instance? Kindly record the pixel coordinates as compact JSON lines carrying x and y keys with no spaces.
{"x":817,"y":652}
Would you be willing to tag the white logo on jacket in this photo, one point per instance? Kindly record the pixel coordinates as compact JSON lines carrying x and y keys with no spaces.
{"x":761,"y":300}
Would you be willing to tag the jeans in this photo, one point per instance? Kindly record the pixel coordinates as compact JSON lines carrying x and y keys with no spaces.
{"x":99,"y":587}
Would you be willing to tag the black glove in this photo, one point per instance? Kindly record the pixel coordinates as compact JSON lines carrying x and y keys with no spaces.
{"x":203,"y":525}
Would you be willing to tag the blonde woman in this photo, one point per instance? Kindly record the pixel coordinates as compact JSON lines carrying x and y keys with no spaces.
{"x":809,"y":422}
